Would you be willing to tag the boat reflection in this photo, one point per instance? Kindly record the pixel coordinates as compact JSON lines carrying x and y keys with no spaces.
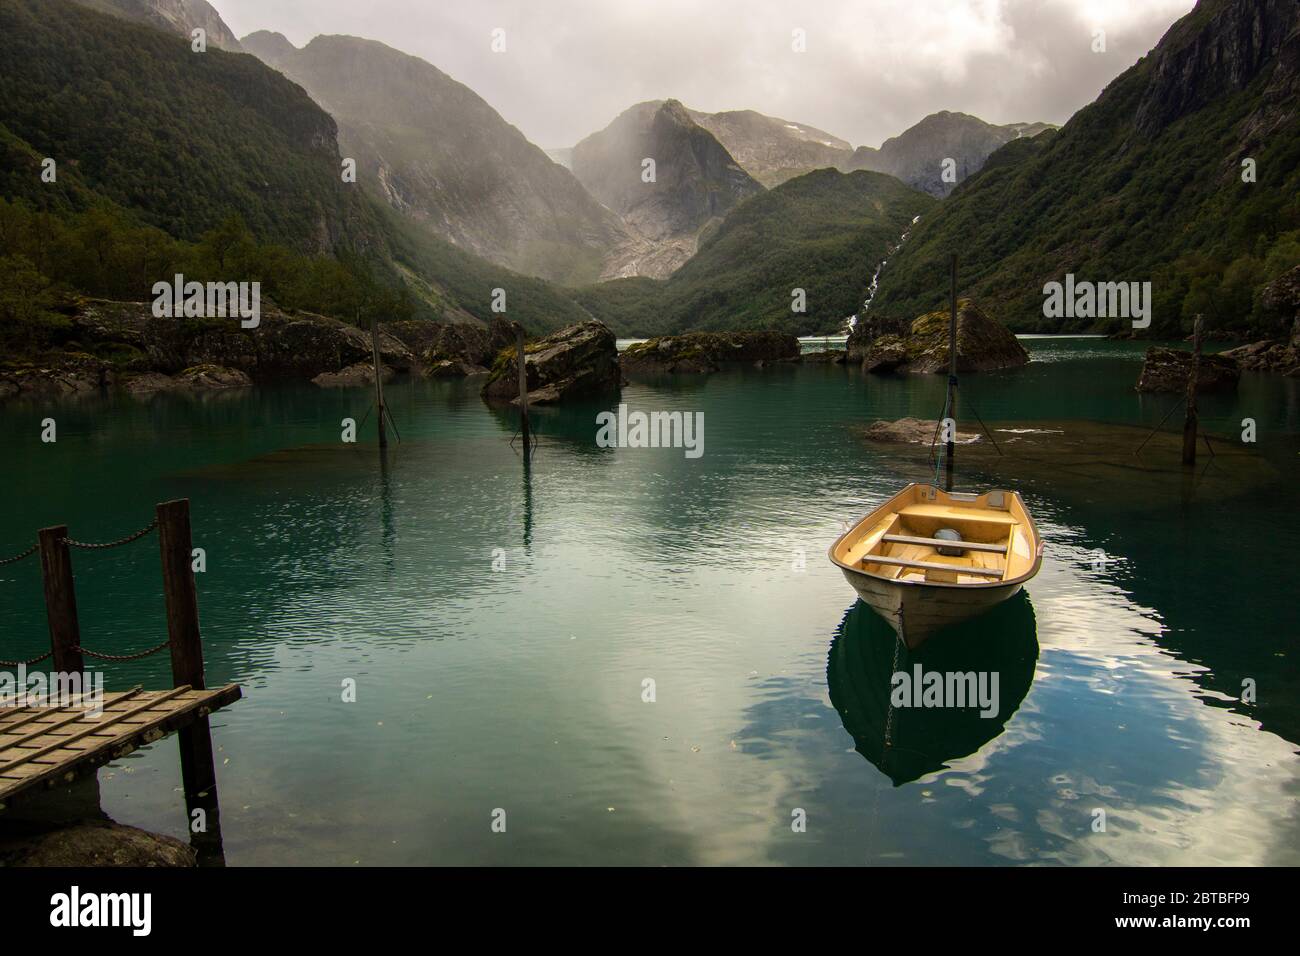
{"x":859,"y":674}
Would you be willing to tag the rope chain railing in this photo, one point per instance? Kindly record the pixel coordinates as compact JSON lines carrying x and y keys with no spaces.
{"x":26,"y":663}
{"x":113,"y":544}
{"x":18,"y":557}
{"x":87,"y":546}
{"x":123,"y":657}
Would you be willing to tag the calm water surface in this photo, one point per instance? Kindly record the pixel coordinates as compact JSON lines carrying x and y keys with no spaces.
{"x":521,"y":688}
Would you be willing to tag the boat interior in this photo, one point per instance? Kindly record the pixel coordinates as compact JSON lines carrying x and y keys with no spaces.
{"x":927,"y":535}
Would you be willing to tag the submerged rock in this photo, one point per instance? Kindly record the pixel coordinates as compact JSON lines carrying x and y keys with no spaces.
{"x":983,"y":344}
{"x":96,"y":843}
{"x":703,"y":352}
{"x":580,"y":361}
{"x":1167,"y":370}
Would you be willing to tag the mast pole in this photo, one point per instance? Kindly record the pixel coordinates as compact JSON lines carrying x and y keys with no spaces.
{"x":952,"y":370}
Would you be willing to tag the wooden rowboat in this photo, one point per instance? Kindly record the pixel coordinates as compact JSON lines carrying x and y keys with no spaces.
{"x":905,"y":561}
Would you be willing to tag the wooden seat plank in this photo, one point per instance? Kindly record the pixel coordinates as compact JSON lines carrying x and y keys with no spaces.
{"x":931,"y":566}
{"x":942,"y":543}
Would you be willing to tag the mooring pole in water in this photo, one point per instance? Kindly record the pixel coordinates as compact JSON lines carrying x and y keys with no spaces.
{"x":523,"y":390}
{"x":952,"y":370}
{"x":379,"y":382}
{"x":61,"y":600}
{"x":1191,"y":421}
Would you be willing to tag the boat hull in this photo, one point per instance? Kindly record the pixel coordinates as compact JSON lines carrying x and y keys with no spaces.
{"x":921,"y":584}
{"x":916,"y":611}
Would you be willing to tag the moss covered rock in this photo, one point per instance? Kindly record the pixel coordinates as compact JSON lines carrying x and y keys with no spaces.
{"x":983,"y":344}
{"x":703,"y":352}
{"x":580,"y":361}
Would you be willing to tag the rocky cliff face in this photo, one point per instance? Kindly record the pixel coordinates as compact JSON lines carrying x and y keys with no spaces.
{"x":1219,"y":48}
{"x":175,"y":16}
{"x":696,"y":181}
{"x":434,"y":150}
{"x":917,"y":155}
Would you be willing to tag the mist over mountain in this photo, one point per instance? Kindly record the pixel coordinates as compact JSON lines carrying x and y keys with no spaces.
{"x":693,"y":181}
{"x":176,"y":16}
{"x":435,"y":151}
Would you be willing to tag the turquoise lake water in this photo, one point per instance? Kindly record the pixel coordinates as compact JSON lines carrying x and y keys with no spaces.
{"x":500,"y":625}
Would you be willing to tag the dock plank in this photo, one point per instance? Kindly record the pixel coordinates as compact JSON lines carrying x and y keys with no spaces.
{"x":40,"y":745}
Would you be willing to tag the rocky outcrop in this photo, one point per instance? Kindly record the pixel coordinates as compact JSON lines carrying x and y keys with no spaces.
{"x":983,"y":344}
{"x":453,"y":349}
{"x":95,"y":843}
{"x":363,"y":373}
{"x":825,"y":357}
{"x":1276,"y":357}
{"x":577,"y":362}
{"x":1282,"y":296}
{"x":197,"y":377}
{"x":122,"y":343}
{"x":913,"y":430}
{"x":697,"y":352}
{"x":1167,"y":370}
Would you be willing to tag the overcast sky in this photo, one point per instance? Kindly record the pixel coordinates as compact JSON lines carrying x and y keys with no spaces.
{"x":871,"y":67}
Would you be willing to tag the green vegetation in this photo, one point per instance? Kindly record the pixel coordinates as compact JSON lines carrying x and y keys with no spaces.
{"x":823,"y":232}
{"x":1108,"y":202}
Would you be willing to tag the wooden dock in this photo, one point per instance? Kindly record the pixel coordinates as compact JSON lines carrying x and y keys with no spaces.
{"x":44,"y":746}
{"x":52,"y":739}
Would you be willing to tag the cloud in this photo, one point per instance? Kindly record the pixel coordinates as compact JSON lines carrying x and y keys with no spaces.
{"x":871,"y":69}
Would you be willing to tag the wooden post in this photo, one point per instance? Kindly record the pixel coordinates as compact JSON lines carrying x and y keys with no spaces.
{"x":176,"y":543}
{"x":61,"y":601}
{"x":952,"y":370}
{"x":379,"y":382}
{"x":1191,"y":422}
{"x":523,"y":389}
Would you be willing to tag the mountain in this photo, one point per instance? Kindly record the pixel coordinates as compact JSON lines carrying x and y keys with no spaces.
{"x":174,"y":16}
{"x":434,"y":150}
{"x":695,"y":180}
{"x":773,"y":150}
{"x":213,"y":165}
{"x":182,"y":139}
{"x":824,"y":232}
{"x":917,"y":155}
{"x":1145,"y":184}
